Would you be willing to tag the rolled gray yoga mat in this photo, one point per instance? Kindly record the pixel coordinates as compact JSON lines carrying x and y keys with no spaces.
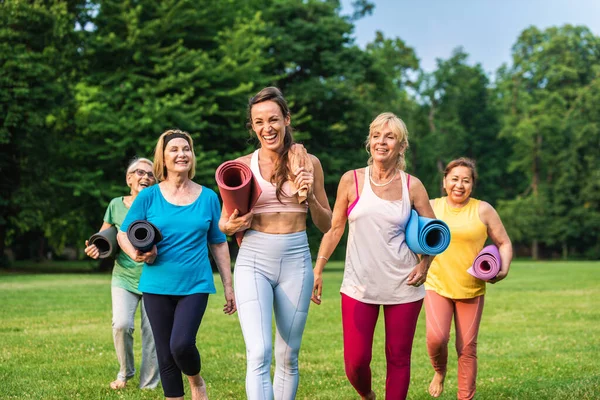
{"x":143,"y":235}
{"x":105,"y":241}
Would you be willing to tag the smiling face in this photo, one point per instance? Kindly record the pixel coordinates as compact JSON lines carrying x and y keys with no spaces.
{"x":178,"y":156}
{"x":140,"y":177}
{"x":269,"y":123}
{"x":384,"y":145}
{"x":458,"y":184}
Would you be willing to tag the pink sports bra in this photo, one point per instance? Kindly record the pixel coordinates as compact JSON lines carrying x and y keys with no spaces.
{"x":268,"y":202}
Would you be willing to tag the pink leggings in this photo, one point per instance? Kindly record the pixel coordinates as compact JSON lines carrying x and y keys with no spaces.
{"x":467,"y":316}
{"x":358,"y":321}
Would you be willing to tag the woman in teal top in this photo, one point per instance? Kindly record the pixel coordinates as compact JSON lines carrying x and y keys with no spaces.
{"x":177,"y":277}
{"x":124,"y":288}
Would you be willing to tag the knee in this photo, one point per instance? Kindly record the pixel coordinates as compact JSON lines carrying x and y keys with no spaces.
{"x":287,"y":358}
{"x":399,"y":357}
{"x":258,"y":357}
{"x":468,"y":349}
{"x":437,"y":341}
{"x":181,"y":349}
{"x":356,"y":364}
{"x":122,"y":325}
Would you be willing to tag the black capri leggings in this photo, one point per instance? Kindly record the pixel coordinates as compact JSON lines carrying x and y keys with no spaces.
{"x":175,"y":321}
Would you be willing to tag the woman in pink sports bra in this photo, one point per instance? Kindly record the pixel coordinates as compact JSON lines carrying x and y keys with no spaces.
{"x":380,"y":269}
{"x":273,"y":270}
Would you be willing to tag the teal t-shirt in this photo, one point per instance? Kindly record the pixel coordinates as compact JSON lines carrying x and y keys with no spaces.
{"x":182,"y":266}
{"x":126,"y":272}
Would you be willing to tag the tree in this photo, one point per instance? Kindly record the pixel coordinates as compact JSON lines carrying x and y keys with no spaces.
{"x":537,"y":94}
{"x":461,"y":121}
{"x":38,"y":47}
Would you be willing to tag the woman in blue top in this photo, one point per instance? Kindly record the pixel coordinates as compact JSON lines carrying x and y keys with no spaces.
{"x":177,"y":278}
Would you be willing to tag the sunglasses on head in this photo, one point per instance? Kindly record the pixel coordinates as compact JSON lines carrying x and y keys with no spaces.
{"x":141,"y":173}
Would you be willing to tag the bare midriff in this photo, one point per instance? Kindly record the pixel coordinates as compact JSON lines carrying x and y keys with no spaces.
{"x":279,"y":222}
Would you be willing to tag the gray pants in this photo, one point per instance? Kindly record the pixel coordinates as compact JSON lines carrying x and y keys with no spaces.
{"x":124,"y":305}
{"x":273,"y":274}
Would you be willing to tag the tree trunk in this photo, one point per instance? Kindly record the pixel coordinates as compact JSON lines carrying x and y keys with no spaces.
{"x":535,"y":250}
{"x":535,"y":179}
{"x":4,"y":263}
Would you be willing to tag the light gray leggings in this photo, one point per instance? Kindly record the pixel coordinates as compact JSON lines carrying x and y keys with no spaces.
{"x":273,"y":273}
{"x":124,"y":304}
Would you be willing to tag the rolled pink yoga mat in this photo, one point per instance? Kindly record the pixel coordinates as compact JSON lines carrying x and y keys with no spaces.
{"x":238,"y":187}
{"x":487,"y":263}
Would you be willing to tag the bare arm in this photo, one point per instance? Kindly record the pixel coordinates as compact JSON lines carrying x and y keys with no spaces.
{"x":332,"y":238}
{"x":232,"y":223}
{"x":420,"y":200}
{"x":220,"y":253}
{"x":91,"y":250}
{"x":497,"y":233}
{"x":318,"y":204}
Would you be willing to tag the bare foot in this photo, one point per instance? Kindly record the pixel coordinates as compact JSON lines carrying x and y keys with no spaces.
{"x":197,"y":387}
{"x":370,"y":396}
{"x":118,"y":384}
{"x":436,"y":387}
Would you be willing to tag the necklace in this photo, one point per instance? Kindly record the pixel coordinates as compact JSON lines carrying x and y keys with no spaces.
{"x":381,"y":184}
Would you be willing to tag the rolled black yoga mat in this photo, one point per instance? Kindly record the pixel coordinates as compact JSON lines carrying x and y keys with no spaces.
{"x":105,"y":241}
{"x":143,"y":235}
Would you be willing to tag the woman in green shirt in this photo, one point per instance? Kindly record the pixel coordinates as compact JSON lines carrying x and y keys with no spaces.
{"x":124,"y":288}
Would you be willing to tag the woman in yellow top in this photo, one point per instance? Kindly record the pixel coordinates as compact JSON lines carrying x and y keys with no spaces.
{"x":450,"y":290}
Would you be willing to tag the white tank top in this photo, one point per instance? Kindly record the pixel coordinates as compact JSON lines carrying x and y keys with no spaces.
{"x":378,"y":259}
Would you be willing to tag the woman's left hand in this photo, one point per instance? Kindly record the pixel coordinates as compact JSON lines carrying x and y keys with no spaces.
{"x":419,"y":274}
{"x":147,"y":257}
{"x":304,"y":178}
{"x":229,"y":307}
{"x":501,"y":275}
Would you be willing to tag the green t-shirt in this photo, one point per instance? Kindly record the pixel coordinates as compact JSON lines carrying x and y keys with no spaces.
{"x":126,"y":272}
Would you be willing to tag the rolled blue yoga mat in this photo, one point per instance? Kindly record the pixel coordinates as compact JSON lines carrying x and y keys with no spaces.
{"x":106,"y":242}
{"x":427,"y":235}
{"x":143,"y":235}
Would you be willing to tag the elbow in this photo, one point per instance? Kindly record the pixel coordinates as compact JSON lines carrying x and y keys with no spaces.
{"x":325,"y":226}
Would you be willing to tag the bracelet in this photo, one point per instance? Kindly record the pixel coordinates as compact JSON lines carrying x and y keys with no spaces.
{"x":323,"y":257}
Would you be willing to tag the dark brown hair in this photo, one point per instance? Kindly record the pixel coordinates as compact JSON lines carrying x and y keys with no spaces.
{"x":281,"y":170}
{"x":462,"y":162}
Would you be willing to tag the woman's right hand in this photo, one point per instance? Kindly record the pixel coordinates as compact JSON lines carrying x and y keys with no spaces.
{"x":317,"y":288}
{"x":147,"y":257}
{"x":235,"y":223}
{"x":91,"y":250}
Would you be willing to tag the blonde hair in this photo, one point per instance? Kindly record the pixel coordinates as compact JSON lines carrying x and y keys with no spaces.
{"x":398,"y":128}
{"x":159,"y":169}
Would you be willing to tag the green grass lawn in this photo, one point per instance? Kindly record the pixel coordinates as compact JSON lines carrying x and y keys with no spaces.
{"x":539,"y":339}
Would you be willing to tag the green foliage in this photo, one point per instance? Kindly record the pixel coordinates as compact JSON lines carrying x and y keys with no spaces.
{"x":543,"y":102}
{"x":87,"y":85}
{"x":38,"y":55}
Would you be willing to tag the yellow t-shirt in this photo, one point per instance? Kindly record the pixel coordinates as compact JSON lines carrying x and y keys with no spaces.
{"x":448,"y":275}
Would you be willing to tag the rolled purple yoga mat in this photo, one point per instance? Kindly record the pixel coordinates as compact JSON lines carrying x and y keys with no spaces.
{"x":487,"y":263}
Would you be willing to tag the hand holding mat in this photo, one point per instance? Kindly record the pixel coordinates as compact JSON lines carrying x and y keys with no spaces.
{"x":143,"y":235}
{"x":298,"y":157}
{"x":105,"y":241}
{"x":239,"y":189}
{"x":487,"y":264}
{"x":427,"y":235}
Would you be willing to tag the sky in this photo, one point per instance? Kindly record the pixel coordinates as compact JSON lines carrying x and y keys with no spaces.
{"x":486,"y":29}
